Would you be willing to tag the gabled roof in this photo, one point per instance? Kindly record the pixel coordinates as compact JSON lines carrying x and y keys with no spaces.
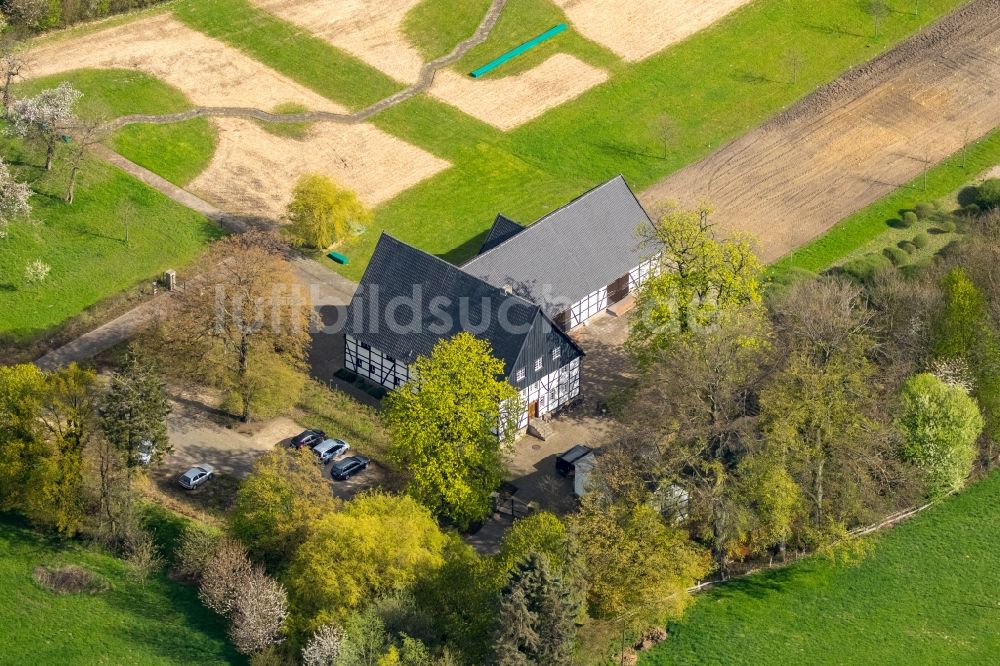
{"x":445,"y":301}
{"x":503,"y":229}
{"x":571,"y":252}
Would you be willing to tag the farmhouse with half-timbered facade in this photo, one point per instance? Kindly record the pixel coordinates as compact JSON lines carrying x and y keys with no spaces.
{"x":523,"y":292}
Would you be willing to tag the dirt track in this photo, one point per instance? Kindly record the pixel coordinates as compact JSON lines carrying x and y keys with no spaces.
{"x":855,"y":140}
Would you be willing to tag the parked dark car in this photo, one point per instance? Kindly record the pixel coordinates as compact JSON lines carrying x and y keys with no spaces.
{"x":566,"y":461}
{"x":348,"y":467}
{"x":308,"y":438}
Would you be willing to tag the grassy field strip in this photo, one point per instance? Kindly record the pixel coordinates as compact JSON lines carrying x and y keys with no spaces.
{"x":926,"y":595}
{"x":161,"y":622}
{"x":869,"y":224}
{"x":309,"y":60}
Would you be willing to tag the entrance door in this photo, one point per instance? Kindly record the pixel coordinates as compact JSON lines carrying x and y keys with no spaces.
{"x":618,"y":290}
{"x":533,"y":410}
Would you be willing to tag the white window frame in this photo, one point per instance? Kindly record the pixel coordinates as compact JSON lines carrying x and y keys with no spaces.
{"x":520,"y":374}
{"x":538,"y":363}
{"x":556,"y":353}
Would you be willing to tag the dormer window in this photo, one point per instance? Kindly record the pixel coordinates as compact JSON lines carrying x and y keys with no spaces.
{"x":538,"y":364}
{"x":520,"y":374}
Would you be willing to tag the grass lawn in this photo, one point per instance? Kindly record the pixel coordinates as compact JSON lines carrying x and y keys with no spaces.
{"x":875,"y":227}
{"x":161,"y":622}
{"x":526,"y":19}
{"x":435,"y":27}
{"x":178,"y":152}
{"x":927,"y":595}
{"x":84,"y":242}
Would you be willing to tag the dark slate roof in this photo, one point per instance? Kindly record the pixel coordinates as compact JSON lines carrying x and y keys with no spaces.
{"x":503,"y":229}
{"x":400,"y":270}
{"x":571,"y":252}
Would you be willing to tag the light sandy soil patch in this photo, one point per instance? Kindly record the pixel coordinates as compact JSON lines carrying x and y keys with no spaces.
{"x":639,"y":28}
{"x":206,"y":70}
{"x":368,"y":29}
{"x":992,"y":173}
{"x":253,"y":171}
{"x":513,"y":100}
{"x":854,"y":141}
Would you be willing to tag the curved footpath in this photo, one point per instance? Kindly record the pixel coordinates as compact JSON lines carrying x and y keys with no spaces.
{"x":424,"y":82}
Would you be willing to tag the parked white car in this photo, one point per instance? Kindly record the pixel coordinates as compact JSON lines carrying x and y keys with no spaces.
{"x":329,"y":449}
{"x":196,"y":476}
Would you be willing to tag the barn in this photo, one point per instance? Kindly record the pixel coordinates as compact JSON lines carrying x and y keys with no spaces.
{"x":526,"y":288}
{"x":574,"y":262}
{"x":408,"y":300}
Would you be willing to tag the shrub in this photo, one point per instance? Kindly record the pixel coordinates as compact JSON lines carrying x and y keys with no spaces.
{"x":921,"y":240}
{"x":864,"y":268}
{"x":198,"y":544}
{"x":971,"y":209}
{"x":909,"y":219}
{"x":143,"y":559}
{"x":924,"y":210}
{"x":907,"y":247}
{"x":895,"y":255}
{"x":988,"y":194}
{"x":948,"y":226}
{"x":69,"y":579}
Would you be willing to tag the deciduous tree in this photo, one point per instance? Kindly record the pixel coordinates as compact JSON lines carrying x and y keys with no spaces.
{"x":377,"y":543}
{"x":47,"y":117}
{"x":259,"y":613}
{"x":322,"y":213}
{"x":278,"y":502}
{"x":698,"y":275}
{"x":638,"y":567}
{"x":449,"y":432}
{"x":14,"y":198}
{"x":246,"y":333}
{"x":939,"y":424}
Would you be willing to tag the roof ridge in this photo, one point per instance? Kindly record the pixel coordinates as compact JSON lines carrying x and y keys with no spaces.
{"x":453,"y":267}
{"x":539,"y":221}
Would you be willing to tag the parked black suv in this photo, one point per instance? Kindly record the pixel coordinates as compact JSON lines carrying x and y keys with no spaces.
{"x":348,"y":467}
{"x":308,"y":438}
{"x":566,"y":461}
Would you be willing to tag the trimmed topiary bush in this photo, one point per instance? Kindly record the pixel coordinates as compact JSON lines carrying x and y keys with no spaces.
{"x":921,"y":240}
{"x":864,"y":268}
{"x":924,"y":210}
{"x":895,"y":255}
{"x":908,"y":219}
{"x":907,"y":247}
{"x":948,"y":226}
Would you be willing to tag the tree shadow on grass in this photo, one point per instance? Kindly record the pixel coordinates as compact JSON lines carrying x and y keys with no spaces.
{"x":833,"y":30}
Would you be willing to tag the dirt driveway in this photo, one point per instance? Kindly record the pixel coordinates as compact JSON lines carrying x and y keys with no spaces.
{"x":855,"y":140}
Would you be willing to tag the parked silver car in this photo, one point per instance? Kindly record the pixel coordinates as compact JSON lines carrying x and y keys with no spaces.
{"x":196,"y":476}
{"x":329,"y":449}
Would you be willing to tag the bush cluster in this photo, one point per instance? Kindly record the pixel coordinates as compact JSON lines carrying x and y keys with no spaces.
{"x":896,"y":255}
{"x":40,"y":15}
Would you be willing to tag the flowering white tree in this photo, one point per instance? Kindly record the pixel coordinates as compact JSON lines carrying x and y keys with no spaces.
{"x":14,"y":197}
{"x":324,"y":647}
{"x":259,"y":612}
{"x":47,"y":117}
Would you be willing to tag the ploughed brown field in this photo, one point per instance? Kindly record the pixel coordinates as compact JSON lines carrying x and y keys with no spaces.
{"x":855,"y":140}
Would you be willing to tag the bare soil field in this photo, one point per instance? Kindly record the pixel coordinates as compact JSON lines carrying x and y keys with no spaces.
{"x":513,"y":100}
{"x":209,"y":72}
{"x":639,"y":28}
{"x":253,"y":171}
{"x":855,"y":140}
{"x":369,"y":30}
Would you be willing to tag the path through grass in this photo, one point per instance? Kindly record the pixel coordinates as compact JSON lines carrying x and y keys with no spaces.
{"x":927,"y":595}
